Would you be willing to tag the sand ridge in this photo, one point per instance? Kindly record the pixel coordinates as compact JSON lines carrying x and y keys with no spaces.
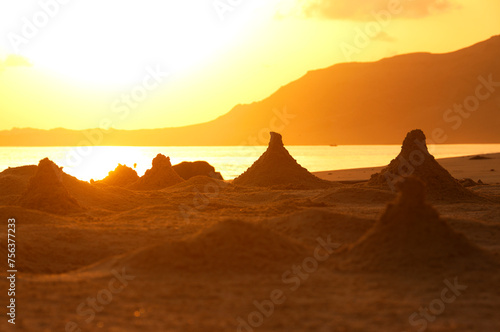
{"x":228,"y":246}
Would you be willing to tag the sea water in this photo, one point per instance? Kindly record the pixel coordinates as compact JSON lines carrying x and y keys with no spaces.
{"x":96,"y":162}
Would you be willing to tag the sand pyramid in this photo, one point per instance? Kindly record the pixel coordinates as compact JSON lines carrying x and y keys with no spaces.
{"x":46,"y":191}
{"x":411,"y":236}
{"x":160,"y":176}
{"x":277,"y":167}
{"x":415,"y":159}
{"x":122,"y":176}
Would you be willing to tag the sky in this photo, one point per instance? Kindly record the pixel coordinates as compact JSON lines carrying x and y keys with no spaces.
{"x":166,"y":63}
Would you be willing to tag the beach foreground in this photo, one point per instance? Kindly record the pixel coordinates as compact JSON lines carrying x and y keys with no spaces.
{"x":208,"y":255}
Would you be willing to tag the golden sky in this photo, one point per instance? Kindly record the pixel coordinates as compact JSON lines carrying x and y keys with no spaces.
{"x":159,"y":63}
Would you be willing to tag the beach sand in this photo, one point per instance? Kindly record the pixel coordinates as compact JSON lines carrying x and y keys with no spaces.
{"x":486,"y":170}
{"x":209,"y":255}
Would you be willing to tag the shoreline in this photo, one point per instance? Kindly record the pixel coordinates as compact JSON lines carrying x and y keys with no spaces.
{"x":486,"y":170}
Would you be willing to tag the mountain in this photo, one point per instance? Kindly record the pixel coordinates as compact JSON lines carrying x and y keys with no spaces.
{"x":348,"y":103}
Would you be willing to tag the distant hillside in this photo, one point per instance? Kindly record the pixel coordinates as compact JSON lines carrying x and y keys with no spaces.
{"x":348,"y":103}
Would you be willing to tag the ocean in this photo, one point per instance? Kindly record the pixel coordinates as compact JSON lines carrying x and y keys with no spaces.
{"x":95,"y":162}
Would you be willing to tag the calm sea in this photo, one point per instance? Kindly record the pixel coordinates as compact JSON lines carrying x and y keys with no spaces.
{"x":96,"y":162}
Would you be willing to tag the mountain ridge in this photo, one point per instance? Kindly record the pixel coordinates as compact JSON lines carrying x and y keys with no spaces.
{"x":346,"y":103}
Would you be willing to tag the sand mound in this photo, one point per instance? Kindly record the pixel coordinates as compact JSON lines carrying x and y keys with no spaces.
{"x":309,"y":224}
{"x":415,"y":159}
{"x":228,"y":246}
{"x":187,"y":170}
{"x":160,"y":176}
{"x":46,"y":191}
{"x":276,"y":167}
{"x":354,"y":194}
{"x":202,"y":184}
{"x":410,"y":236}
{"x":122,"y":176}
{"x":14,"y":181}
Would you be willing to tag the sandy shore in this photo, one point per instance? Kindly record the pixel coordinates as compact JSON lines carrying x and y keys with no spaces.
{"x":207,"y":255}
{"x":486,"y":170}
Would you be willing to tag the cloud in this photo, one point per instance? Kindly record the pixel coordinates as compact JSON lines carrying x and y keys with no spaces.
{"x":361,"y":10}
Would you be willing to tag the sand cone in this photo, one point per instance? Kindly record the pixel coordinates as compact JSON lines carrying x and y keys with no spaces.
{"x":46,"y":191}
{"x":277,"y":167}
{"x":415,"y":159}
{"x":122,"y":176}
{"x":410,"y":235}
{"x":160,"y":176}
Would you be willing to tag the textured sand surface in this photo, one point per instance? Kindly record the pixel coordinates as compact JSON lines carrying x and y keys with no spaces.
{"x":205,"y":255}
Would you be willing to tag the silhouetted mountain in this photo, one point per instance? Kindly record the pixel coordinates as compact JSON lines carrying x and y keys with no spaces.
{"x":348,"y":103}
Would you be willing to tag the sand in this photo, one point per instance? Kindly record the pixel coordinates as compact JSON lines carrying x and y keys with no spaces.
{"x":160,"y":176}
{"x":46,"y":191}
{"x":410,"y":237}
{"x":486,"y":170}
{"x":276,"y":167}
{"x":121,"y":176}
{"x":187,"y":170}
{"x":210,"y":255}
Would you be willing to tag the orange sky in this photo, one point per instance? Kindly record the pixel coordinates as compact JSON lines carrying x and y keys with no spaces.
{"x":163,"y":64}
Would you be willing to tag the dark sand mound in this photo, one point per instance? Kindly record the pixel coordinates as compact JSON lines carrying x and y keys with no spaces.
{"x":122,"y":176}
{"x":276,"y":167}
{"x":354,"y":194}
{"x":187,"y":170}
{"x":13,"y":182}
{"x":309,"y":224}
{"x":415,"y":159}
{"x":201,"y":184}
{"x":410,"y":236}
{"x":228,"y":246}
{"x":46,"y":191}
{"x":160,"y":176}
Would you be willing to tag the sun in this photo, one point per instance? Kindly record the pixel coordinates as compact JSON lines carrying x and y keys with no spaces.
{"x":95,"y":162}
{"x":120,"y":39}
